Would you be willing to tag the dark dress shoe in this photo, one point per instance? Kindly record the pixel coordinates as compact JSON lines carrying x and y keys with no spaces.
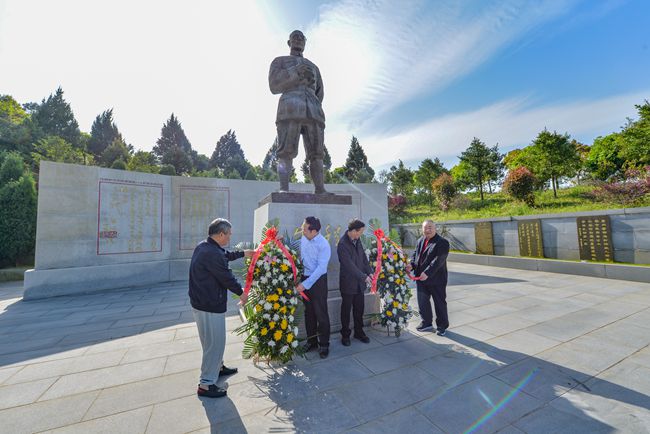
{"x":324,"y":352}
{"x":309,"y":346}
{"x":346,"y":341}
{"x":365,"y":339}
{"x":227,"y":371}
{"x":213,"y":391}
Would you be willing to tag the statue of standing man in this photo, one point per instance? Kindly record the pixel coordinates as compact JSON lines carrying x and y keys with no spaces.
{"x":299,"y":112}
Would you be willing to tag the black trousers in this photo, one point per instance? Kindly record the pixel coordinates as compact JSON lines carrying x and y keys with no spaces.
{"x":352,"y":302}
{"x":317,"y":319}
{"x":439,"y":295}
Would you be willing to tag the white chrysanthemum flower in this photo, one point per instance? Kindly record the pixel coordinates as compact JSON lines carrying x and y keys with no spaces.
{"x":294,"y":344}
{"x":271,"y":344}
{"x":256,"y":326}
{"x":294,"y":300}
{"x":274,"y":281}
{"x":263,"y":279}
{"x":284,"y":349}
{"x":266,"y":316}
{"x":267,"y":306}
{"x":367,"y":251}
{"x":283,"y":299}
{"x":259,"y":262}
{"x":290,"y":318}
{"x":295,"y":331}
{"x":266,"y":265}
{"x":276,"y":317}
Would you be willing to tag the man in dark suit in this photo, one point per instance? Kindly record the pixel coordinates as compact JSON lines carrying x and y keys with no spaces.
{"x":354,"y":278}
{"x":210,"y":281}
{"x":430,"y":264}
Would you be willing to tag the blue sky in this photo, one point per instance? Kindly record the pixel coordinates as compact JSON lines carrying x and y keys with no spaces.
{"x":411,"y":79}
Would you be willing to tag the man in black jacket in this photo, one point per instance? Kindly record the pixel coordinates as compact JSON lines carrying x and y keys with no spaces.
{"x":430,"y":264}
{"x":354,"y":278}
{"x":210,"y":280}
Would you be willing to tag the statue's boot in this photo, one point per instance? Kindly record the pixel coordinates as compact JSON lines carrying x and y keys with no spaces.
{"x":284,"y":171}
{"x":316,"y":171}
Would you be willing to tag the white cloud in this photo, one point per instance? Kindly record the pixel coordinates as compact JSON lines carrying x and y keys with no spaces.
{"x":511,"y":123}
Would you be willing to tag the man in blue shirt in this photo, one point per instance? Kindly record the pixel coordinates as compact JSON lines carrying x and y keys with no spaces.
{"x":210,"y":280}
{"x":315,"y":254}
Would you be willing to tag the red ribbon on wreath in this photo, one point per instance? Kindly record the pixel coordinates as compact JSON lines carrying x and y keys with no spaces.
{"x":381,"y":236}
{"x":271,"y":237}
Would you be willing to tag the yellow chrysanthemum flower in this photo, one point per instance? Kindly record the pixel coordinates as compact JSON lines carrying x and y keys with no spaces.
{"x":264,"y":331}
{"x":385,"y":256}
{"x":272,"y":325}
{"x":289,"y":291}
{"x":277,"y":335}
{"x":389,"y":313}
{"x":280,"y":291}
{"x":276,"y":306}
{"x":284,"y":267}
{"x":269,"y":298}
{"x":283,"y":309}
{"x":258,"y":308}
{"x":284,"y":324}
{"x":293,"y":309}
{"x":290,"y":337}
{"x":405,"y":306}
{"x":395,"y":304}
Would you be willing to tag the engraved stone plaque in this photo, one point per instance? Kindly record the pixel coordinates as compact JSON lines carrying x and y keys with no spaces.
{"x":483,"y":236}
{"x":129,"y":217}
{"x":595,"y":238}
{"x":530,"y":238}
{"x":199,"y":206}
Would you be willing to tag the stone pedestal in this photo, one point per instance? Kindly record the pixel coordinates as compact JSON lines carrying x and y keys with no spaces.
{"x":334,"y":212}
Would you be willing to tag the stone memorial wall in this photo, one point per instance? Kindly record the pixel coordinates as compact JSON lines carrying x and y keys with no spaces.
{"x":101,"y":228}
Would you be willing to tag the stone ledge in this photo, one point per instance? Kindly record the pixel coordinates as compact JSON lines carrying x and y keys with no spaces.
{"x":302,"y":197}
{"x":635,"y":273}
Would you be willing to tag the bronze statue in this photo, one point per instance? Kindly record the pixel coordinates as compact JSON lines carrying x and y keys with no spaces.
{"x":299,"y":111}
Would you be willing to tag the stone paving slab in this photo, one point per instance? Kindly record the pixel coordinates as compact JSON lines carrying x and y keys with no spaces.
{"x":527,"y":352}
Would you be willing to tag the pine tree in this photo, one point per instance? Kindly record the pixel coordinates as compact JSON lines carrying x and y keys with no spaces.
{"x":401,"y":180}
{"x":356,"y":162}
{"x":478,"y":158}
{"x":228,"y":156}
{"x":271,"y":158}
{"x":54,"y":117}
{"x":102,"y":134}
{"x":327,"y":166}
{"x":428,"y":172}
{"x":173,"y":147}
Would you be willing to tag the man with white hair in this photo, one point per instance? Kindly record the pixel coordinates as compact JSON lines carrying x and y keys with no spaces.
{"x":430,"y":265}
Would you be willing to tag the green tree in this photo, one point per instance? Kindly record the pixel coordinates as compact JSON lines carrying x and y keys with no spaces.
{"x":116,"y":151}
{"x":54,"y":117}
{"x":15,"y":132}
{"x":327,"y":166}
{"x":636,"y":136}
{"x":200,"y":162}
{"x":173,"y":147}
{"x":428,"y":171}
{"x":480,"y":161}
{"x":605,"y":157}
{"x":556,"y":156}
{"x":401,"y":180}
{"x":54,"y":148}
{"x":461,"y":173}
{"x":17,"y":211}
{"x":143,"y":161}
{"x":168,"y":169}
{"x":496,"y":168}
{"x":103,"y":133}
{"x":357,"y":162}
{"x":520,"y":184}
{"x":228,"y":156}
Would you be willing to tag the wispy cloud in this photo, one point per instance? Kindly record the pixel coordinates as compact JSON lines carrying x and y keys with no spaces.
{"x":511,"y":123}
{"x":376,"y":55}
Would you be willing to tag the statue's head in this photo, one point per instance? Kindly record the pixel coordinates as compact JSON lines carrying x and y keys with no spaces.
{"x":297,"y":41}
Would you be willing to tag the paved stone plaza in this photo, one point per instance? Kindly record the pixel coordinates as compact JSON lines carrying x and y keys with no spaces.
{"x":527,"y":352}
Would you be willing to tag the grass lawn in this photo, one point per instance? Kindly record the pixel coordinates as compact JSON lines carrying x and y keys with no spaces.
{"x":500,"y":205}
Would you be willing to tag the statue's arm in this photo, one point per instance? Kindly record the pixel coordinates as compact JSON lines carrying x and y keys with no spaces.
{"x":282,"y":79}
{"x":319,"y":86}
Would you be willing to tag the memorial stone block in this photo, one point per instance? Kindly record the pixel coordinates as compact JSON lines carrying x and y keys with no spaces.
{"x":595,"y":238}
{"x":530,"y":238}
